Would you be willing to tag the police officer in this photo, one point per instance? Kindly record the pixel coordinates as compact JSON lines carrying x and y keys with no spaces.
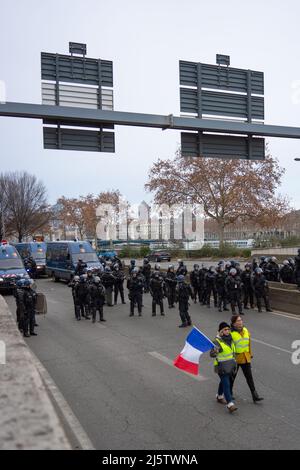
{"x":247,"y":286}
{"x":234,"y":286}
{"x":183,"y":293}
{"x":82,"y":293}
{"x":272,"y":270}
{"x":221,"y":277}
{"x":181,"y":270}
{"x":97,"y":295}
{"x":286,"y":273}
{"x":74,"y":286}
{"x":108,"y":281}
{"x":261,"y":289}
{"x":171,"y":282}
{"x":157,"y":291}
{"x":132,"y":266}
{"x":210,"y":284}
{"x":297,"y":269}
{"x":146,"y":271}
{"x":19,"y":297}
{"x":79,"y":270}
{"x":119,"y":276}
{"x":135,"y":285}
{"x":197,"y":285}
{"x":29,"y":301}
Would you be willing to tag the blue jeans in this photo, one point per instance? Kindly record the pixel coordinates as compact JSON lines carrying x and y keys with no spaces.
{"x":225,"y":387}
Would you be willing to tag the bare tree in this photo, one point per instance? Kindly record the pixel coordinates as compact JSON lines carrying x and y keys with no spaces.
{"x":229,"y":190}
{"x":27,"y":204}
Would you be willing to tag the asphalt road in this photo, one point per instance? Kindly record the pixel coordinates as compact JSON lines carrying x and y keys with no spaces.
{"x":119,"y":380}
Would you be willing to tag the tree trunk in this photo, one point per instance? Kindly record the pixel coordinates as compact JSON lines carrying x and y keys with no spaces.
{"x":221,"y":235}
{"x":20,"y":236}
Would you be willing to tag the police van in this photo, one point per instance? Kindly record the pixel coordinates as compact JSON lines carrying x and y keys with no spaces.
{"x":11,"y":266}
{"x":36,"y":250}
{"x":62,"y":258}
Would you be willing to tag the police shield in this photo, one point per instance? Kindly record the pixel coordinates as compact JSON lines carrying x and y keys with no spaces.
{"x":41,"y":304}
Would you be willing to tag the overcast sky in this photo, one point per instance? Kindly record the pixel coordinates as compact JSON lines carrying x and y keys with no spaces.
{"x":145,"y":39}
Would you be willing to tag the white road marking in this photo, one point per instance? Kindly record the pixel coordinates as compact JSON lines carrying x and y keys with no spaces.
{"x":167,"y":361}
{"x":73,"y":423}
{"x":287,"y":315}
{"x":271,"y":346}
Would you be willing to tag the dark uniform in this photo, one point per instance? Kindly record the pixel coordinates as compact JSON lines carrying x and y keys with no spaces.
{"x":171,"y":283}
{"x":210,"y":286}
{"x":97,"y":296}
{"x":108,"y":281}
{"x":82,"y":294}
{"x":135,"y":285}
{"x":74,"y":286}
{"x":286,"y":273}
{"x":20,"y":311}
{"x":183,"y":293}
{"x":234,"y":287}
{"x":157,"y":291}
{"x":119,"y":285}
{"x":197,"y":283}
{"x":247,"y":287}
{"x":146,"y":271}
{"x":261,"y":290}
{"x":297,"y":269}
{"x":29,"y":301}
{"x":81,"y":266}
{"x":221,"y":277}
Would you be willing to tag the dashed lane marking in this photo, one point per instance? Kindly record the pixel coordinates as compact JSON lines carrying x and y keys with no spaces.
{"x":160,"y":357}
{"x":271,"y":346}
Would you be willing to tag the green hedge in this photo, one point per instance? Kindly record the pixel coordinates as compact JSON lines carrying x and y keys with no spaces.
{"x":228,"y":251}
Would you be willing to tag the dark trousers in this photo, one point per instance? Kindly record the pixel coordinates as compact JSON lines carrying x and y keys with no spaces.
{"x":247,"y":371}
{"x":222,"y":300}
{"x":198,"y":292}
{"x":108,"y":295}
{"x":248,"y":295}
{"x":235,"y":300}
{"x":184,"y":311}
{"x":119,"y":288}
{"x":29,"y":321}
{"x":265,"y":298}
{"x":211,"y":289}
{"x":136,"y":299}
{"x":157,"y":301}
{"x":147,"y":283}
{"x":97,"y":308}
{"x":171,"y":296}
{"x":297,"y":278}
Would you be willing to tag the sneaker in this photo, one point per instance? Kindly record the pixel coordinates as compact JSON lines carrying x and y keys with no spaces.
{"x":221,"y":400}
{"x":183,"y":325}
{"x":231,"y":407}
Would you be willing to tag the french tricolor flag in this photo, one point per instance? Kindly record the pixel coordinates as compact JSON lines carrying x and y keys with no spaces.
{"x":195,"y":345}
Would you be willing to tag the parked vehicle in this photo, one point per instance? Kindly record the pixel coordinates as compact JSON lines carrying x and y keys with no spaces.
{"x":11,"y":267}
{"x":36,"y":250}
{"x":159,"y":255}
{"x":62,"y":258}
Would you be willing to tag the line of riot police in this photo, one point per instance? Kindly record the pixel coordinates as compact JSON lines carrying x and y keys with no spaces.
{"x":229,"y":285}
{"x":288,"y":272}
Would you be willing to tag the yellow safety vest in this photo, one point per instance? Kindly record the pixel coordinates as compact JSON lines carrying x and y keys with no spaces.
{"x":242,"y":343}
{"x":227,"y":353}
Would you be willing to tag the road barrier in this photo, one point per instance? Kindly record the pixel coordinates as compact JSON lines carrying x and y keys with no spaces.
{"x":285,"y":297}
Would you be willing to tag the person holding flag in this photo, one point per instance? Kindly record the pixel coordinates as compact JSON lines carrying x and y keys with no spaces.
{"x":225,"y":365}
